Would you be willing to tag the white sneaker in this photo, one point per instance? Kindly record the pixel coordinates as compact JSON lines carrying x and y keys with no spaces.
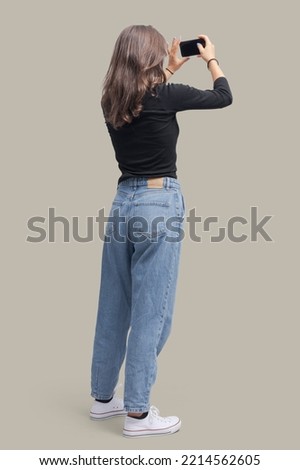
{"x":107,"y":410}
{"x":152,"y":425}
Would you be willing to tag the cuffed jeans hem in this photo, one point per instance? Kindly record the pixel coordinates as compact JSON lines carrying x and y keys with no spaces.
{"x":141,"y":409}
{"x":101,"y":397}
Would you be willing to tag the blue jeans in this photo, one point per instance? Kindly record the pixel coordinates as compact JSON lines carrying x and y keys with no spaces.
{"x":140,"y":261}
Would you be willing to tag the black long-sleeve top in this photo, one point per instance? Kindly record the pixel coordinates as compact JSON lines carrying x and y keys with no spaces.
{"x":147,"y":146}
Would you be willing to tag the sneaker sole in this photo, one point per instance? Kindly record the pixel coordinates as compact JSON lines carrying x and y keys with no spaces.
{"x":97,"y":417}
{"x":149,"y":433}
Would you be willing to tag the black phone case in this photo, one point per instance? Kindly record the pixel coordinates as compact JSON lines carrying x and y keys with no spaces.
{"x":190,"y":47}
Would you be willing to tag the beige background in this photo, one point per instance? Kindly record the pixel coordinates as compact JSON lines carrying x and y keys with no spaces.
{"x":231,"y":367}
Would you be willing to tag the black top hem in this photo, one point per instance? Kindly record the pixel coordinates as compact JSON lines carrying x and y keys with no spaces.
{"x":126,"y":176}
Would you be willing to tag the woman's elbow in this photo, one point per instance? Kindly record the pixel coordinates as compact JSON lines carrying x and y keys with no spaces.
{"x":230,"y":99}
{"x":227,"y":100}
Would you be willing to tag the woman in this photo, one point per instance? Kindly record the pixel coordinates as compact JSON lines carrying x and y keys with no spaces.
{"x":143,"y":236}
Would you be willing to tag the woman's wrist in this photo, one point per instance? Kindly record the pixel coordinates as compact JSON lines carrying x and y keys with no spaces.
{"x":214,"y":68}
{"x":170,"y":71}
{"x":212,"y":60}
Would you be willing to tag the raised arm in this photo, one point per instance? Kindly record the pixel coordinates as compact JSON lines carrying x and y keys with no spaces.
{"x":185,"y":97}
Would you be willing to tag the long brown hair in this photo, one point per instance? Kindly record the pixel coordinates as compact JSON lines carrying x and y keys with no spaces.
{"x":135,"y":67}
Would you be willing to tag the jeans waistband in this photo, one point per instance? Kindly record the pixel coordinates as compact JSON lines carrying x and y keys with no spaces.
{"x":168,"y":182}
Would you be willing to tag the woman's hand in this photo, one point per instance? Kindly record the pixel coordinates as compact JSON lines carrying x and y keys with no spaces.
{"x":175,"y":62}
{"x":208,"y":52}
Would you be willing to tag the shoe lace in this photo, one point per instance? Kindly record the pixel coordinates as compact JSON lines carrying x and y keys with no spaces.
{"x":153,"y":411}
{"x":154,"y":414}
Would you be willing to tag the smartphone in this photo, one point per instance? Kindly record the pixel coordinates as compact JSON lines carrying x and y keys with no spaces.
{"x":190,"y":47}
